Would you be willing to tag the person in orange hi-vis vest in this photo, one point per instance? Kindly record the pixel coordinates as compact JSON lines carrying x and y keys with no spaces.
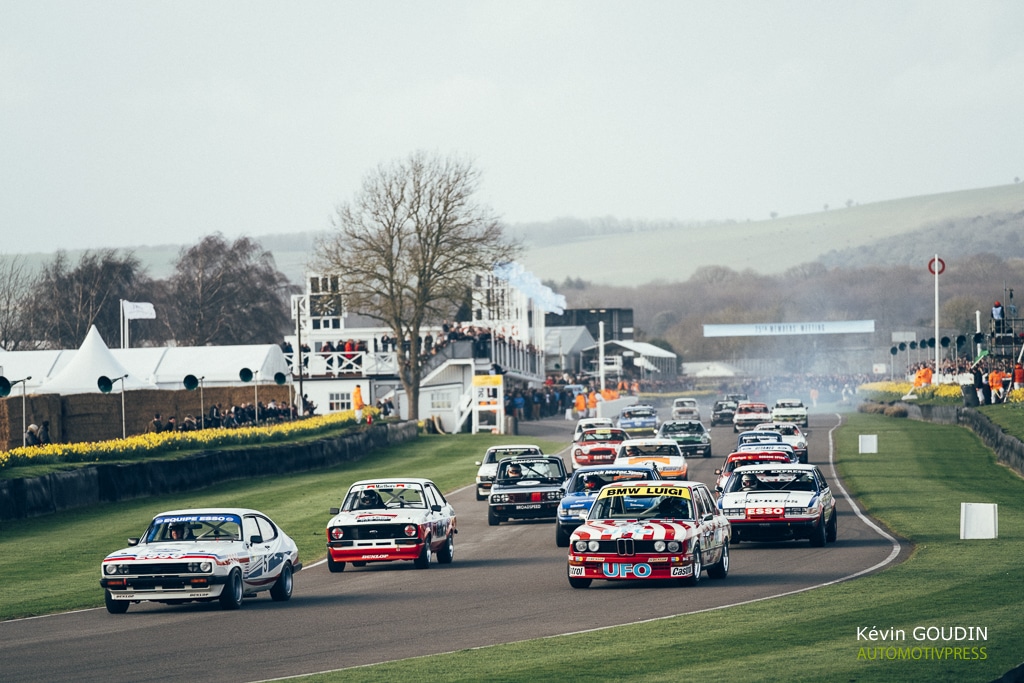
{"x":1018,"y":376}
{"x":357,"y":402}
{"x":592,"y":404}
{"x":581,"y":405}
{"x":995,"y":382}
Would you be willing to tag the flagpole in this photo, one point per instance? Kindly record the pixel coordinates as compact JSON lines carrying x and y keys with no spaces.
{"x":122,"y":322}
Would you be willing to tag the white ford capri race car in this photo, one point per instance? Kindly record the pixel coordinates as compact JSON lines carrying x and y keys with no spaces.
{"x":772,"y":502}
{"x":382,"y":520}
{"x":201,"y":555}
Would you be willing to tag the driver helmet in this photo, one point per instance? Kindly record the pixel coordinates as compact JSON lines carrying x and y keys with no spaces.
{"x":368,"y":497}
{"x":514,"y":470}
{"x":748,"y":480}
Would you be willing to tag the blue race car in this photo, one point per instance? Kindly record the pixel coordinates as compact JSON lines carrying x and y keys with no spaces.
{"x":639,"y":419}
{"x":581,"y":492}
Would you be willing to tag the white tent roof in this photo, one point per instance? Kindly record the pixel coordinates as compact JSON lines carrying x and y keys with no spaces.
{"x":77,"y":371}
{"x":92,"y":361}
{"x":166,"y":367}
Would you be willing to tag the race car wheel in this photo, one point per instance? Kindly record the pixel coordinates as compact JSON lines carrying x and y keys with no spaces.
{"x":423,"y":561}
{"x":720,"y":569}
{"x":282,"y":588}
{"x":707,"y":452}
{"x":334,"y":567}
{"x":492,"y":518}
{"x":818,"y":534}
{"x":231,"y":596}
{"x":698,"y":568}
{"x":832,"y":532}
{"x":115,"y":606}
{"x":561,"y":536}
{"x":479,"y":496}
{"x":447,"y":552}
{"x":577,"y":582}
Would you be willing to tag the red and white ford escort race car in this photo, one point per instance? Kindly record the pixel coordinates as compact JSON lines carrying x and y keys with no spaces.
{"x":779,"y":502}
{"x":382,"y":520}
{"x":201,"y":555}
{"x":650,"y":530}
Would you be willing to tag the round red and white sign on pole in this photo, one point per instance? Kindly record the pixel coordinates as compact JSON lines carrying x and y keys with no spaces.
{"x":936,"y":266}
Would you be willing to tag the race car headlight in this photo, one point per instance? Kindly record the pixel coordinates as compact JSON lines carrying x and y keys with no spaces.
{"x":801,"y":444}
{"x":800,"y":511}
{"x":411,"y":530}
{"x":552,"y":495}
{"x":115,"y":569}
{"x":673,"y":546}
{"x":500,"y":498}
{"x":584,"y":546}
{"x":200,"y":567}
{"x":337,"y":533}
{"x":705,"y":439}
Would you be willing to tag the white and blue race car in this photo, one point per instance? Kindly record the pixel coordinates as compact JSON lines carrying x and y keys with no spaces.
{"x":201,"y":555}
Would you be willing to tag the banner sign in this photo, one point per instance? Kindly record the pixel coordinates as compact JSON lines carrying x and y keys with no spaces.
{"x":780,"y":329}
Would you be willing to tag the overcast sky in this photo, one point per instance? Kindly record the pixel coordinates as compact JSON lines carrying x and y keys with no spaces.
{"x":143,"y":123}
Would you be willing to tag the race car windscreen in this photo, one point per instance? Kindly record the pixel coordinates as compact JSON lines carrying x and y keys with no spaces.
{"x":772,"y":480}
{"x":384,"y":496}
{"x":517,"y":471}
{"x":642,"y":502}
{"x":594,"y":480}
{"x":179,"y":528}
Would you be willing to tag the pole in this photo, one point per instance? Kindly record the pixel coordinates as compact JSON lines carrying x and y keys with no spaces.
{"x":600,"y":354}
{"x":935,"y":375}
{"x":24,"y":423}
{"x":298,"y":353}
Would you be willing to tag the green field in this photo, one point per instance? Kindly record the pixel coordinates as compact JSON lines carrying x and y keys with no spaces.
{"x":914,"y":485}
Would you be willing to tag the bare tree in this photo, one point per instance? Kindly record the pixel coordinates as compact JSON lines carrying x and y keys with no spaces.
{"x":407,"y":247}
{"x":64,"y":301}
{"x":14,"y":288}
{"x":226,"y":293}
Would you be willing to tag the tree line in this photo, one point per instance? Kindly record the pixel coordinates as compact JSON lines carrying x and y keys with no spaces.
{"x":220,"y":292}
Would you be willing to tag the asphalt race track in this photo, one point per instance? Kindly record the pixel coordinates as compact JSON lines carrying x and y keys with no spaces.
{"x":507,"y":583}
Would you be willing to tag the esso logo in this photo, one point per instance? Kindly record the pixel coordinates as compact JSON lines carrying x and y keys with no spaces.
{"x":765,"y":511}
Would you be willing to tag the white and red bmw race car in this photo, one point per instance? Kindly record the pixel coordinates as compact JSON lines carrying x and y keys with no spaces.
{"x":201,"y":555}
{"x":772,"y":502}
{"x":382,"y":520}
{"x":650,"y":530}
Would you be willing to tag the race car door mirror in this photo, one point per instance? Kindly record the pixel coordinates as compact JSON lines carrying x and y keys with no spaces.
{"x":255,"y":539}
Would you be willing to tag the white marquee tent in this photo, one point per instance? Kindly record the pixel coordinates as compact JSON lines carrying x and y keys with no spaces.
{"x":77,"y":371}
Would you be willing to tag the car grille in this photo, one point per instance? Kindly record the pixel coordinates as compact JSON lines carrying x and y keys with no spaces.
{"x":157,"y":568}
{"x":373,"y":532}
{"x":624,"y":547}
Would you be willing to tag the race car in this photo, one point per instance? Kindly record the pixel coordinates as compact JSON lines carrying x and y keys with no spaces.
{"x":489,"y":465}
{"x":791,"y":434}
{"x":597,"y":446}
{"x":780,"y":502}
{"x":639,"y":419}
{"x":774,"y":447}
{"x":722,"y":413}
{"x":664,"y":454}
{"x":685,"y":409}
{"x":691,"y":435}
{"x":758,"y":437}
{"x":201,"y":555}
{"x":750,"y":457}
{"x":384,"y":520}
{"x":790,"y":410}
{"x":526,"y":488}
{"x":585,"y":423}
{"x":581,"y":490}
{"x":749,"y":414}
{"x":650,"y":530}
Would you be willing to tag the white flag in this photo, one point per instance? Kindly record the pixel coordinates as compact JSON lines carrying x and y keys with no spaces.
{"x":134,"y":310}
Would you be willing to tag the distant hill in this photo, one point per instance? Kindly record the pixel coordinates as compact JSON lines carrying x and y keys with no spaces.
{"x":628,"y":253}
